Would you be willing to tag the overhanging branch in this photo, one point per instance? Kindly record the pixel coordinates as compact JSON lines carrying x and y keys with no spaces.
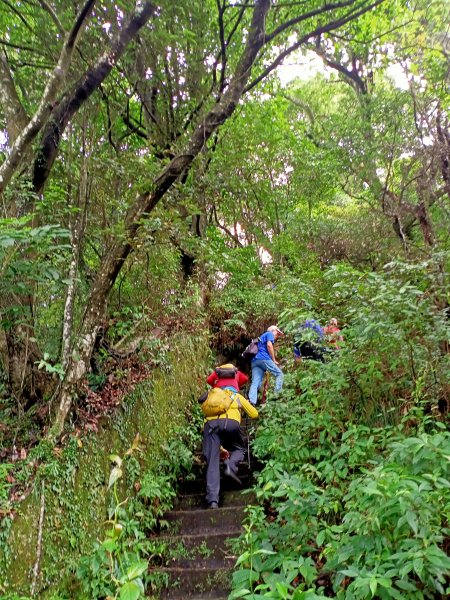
{"x":47,"y":102}
{"x":350,"y":16}
{"x":71,"y":103}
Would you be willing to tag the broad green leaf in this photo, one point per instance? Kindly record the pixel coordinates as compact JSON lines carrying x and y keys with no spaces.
{"x":137,"y":569}
{"x":130,"y":591}
{"x":373,"y":584}
{"x":109,"y":545}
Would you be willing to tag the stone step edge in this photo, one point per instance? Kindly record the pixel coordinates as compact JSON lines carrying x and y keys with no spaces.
{"x":196,"y":501}
{"x":208,"y":511}
{"x":201,"y":536}
{"x":182,"y":570}
{"x":200,"y":495}
{"x":208,"y":564}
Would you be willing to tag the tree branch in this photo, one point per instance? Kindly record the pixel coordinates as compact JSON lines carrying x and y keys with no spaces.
{"x":443,"y":137}
{"x":223,"y":47}
{"x":304,"y":17}
{"x":77,"y":97}
{"x":32,"y":49}
{"x":17,"y":12}
{"x":237,"y":22}
{"x":316,"y":32}
{"x":223,"y":228}
{"x":54,"y":16}
{"x":352,"y":75}
{"x":16,"y":117}
{"x":146,"y":202}
{"x":46,"y":104}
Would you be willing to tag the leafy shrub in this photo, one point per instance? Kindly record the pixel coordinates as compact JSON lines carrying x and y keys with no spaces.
{"x":393,"y":537}
{"x":346,"y":510}
{"x":393,"y":356}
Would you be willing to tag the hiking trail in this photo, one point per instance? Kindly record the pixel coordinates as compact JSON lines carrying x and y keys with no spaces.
{"x":199,"y":537}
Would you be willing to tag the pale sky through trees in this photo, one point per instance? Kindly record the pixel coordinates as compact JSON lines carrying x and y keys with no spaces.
{"x":307,"y":66}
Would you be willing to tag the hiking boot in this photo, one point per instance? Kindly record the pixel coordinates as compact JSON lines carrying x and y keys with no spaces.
{"x":213,"y":505}
{"x":228,"y":471}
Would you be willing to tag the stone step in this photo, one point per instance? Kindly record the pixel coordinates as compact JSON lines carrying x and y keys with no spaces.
{"x":196,"y":486}
{"x":228,"y":498}
{"x":199,"y":463}
{"x":206,"y":563}
{"x":198,"y":468}
{"x":204,"y":521}
{"x":198,"y":559}
{"x":198,"y":547}
{"x":188,"y":583}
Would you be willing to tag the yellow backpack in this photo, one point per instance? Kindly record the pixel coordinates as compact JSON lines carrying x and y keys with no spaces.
{"x":218,"y":402}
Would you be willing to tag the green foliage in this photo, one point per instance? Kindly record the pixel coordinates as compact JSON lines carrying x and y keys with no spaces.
{"x":316,"y":181}
{"x":394,"y":333}
{"x":75,"y":476}
{"x":29,"y":256}
{"x":4,"y":485}
{"x":394,"y":530}
{"x":50,"y":368}
{"x":116,"y":566}
{"x":355,"y":492}
{"x":345,"y":510}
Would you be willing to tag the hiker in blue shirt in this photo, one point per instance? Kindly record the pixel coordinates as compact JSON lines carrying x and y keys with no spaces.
{"x":265,"y":361}
{"x":311,"y":341}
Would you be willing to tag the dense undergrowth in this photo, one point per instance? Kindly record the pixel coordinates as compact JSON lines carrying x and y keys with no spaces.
{"x":346,"y":510}
{"x":355,"y":491}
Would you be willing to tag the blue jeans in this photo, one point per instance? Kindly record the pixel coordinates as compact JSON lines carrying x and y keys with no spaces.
{"x":259,"y":367}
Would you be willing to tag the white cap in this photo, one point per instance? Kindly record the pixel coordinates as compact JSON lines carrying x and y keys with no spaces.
{"x":274,"y":328}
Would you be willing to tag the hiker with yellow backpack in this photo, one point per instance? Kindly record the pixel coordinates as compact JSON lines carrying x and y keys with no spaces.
{"x":222,"y":427}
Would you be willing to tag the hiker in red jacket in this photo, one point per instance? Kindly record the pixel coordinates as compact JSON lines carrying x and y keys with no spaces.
{"x":333,"y":334}
{"x":227,"y":377}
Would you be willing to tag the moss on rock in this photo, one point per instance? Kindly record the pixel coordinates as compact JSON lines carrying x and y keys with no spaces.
{"x":75,"y":480}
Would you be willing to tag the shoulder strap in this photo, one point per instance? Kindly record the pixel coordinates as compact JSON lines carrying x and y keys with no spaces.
{"x":234,"y":396}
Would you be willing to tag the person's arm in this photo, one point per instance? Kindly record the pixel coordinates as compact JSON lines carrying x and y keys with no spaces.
{"x":241,"y":378}
{"x":212,"y":379}
{"x":249,"y":408}
{"x":271,"y":352}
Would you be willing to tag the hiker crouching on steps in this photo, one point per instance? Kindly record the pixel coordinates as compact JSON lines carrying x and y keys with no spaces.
{"x":225,"y":430}
{"x":265,"y":361}
{"x":227,"y":377}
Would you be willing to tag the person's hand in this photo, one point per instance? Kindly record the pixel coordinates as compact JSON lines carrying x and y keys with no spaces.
{"x":224,"y":454}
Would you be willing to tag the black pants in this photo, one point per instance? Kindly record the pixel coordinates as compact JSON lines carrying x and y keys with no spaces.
{"x":311,"y":351}
{"x":216,"y":433}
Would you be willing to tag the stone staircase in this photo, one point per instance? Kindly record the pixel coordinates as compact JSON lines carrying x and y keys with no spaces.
{"x":199,"y":560}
